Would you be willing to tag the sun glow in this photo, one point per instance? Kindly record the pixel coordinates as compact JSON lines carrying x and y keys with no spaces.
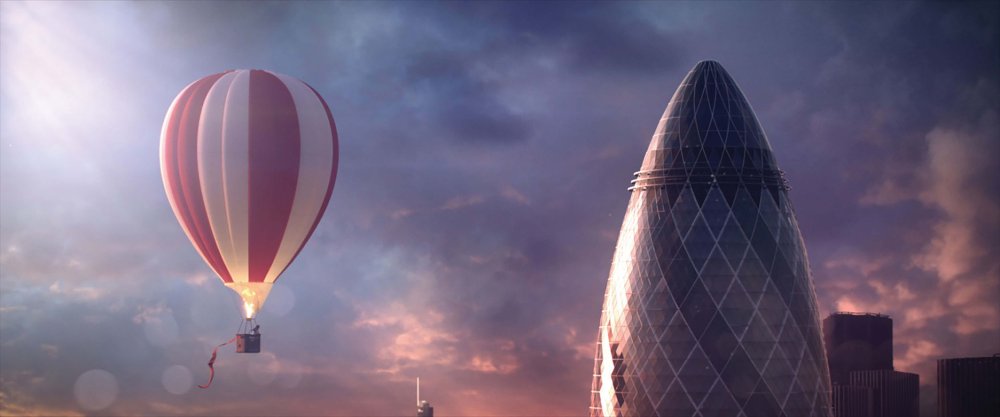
{"x":60,"y":79}
{"x":67,"y":104}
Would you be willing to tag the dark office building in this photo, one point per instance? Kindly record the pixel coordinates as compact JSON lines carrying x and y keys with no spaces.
{"x":859,"y":351}
{"x":881,"y":393}
{"x":898,"y":393}
{"x":855,"y":401}
{"x":857,"y":342}
{"x":969,"y":387}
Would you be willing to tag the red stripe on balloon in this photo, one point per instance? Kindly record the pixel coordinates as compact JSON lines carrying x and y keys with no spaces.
{"x":274,"y":147}
{"x":333,"y":175}
{"x":181,"y":160}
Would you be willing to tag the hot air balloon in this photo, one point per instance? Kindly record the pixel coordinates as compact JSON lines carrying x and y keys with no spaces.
{"x":249,"y":160}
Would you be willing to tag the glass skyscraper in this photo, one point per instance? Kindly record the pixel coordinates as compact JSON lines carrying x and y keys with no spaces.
{"x":710,"y":308}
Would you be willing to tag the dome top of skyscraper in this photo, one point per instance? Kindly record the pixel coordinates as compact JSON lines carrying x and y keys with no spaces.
{"x":708,"y":123}
{"x":709,"y":136}
{"x":707,"y":62}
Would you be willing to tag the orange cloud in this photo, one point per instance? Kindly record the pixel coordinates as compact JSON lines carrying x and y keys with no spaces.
{"x":415,"y":339}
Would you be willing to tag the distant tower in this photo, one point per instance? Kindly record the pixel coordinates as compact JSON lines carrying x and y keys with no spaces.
{"x":859,"y":350}
{"x":710,"y":308}
{"x":424,"y":408}
{"x":969,"y":387}
{"x":857,"y":342}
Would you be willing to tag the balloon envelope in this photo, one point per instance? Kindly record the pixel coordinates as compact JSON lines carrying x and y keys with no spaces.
{"x":249,"y":160}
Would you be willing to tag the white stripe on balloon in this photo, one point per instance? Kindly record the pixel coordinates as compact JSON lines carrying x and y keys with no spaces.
{"x":210,"y":169}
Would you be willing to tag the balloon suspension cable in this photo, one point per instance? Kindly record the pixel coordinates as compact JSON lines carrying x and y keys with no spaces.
{"x":248,"y":326}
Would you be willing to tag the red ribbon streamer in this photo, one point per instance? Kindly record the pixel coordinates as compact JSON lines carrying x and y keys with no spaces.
{"x":211,"y":363}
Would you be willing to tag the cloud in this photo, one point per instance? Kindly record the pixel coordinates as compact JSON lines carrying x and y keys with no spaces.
{"x":916,"y":354}
{"x":920,"y":243}
{"x":413,"y":339}
{"x":401,"y":214}
{"x":14,"y":401}
{"x":198,"y":279}
{"x":51,"y":350}
{"x":492,"y":366}
{"x":961,"y":184}
{"x":83,"y":293}
{"x":462,"y":99}
{"x":598,"y":38}
{"x":459,"y":202}
{"x":964,"y":186}
{"x":513,"y":194}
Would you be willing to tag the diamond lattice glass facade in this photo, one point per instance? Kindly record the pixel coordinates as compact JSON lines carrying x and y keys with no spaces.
{"x":709,"y":308}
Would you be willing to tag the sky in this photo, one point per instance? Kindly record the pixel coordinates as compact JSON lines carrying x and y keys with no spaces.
{"x":485,"y":153}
